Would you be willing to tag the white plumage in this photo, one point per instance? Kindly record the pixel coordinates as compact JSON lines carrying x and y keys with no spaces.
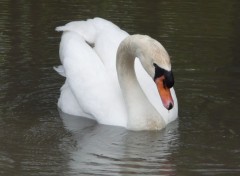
{"x":88,"y":55}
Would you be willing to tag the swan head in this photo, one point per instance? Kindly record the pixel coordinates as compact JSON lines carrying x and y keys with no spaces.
{"x":164,"y":80}
{"x":156,"y":62}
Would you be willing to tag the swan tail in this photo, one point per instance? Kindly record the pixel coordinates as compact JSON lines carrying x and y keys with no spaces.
{"x":60,"y":70}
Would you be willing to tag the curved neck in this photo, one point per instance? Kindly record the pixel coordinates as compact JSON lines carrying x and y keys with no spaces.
{"x":141,"y":113}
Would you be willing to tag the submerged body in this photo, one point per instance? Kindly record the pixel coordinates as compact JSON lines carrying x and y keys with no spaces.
{"x":106,"y":83}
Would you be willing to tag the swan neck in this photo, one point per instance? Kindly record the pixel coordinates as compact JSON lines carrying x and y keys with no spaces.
{"x":141,"y":113}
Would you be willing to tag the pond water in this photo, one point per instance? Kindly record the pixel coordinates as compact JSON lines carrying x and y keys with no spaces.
{"x":202,"y":38}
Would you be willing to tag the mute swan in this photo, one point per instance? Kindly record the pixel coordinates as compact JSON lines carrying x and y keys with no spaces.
{"x":105,"y":82}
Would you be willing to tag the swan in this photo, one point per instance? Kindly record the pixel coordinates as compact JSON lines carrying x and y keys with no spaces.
{"x":115,"y":78}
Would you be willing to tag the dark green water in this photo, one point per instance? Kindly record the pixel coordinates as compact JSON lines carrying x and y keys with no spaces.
{"x":202,"y":38}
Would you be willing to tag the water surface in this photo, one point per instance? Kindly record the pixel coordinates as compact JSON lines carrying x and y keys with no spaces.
{"x":202,"y":39}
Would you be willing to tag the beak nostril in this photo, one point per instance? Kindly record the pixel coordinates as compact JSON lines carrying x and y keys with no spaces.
{"x":170,"y":106}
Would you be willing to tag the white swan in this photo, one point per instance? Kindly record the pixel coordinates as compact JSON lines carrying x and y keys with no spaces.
{"x":100,"y":76}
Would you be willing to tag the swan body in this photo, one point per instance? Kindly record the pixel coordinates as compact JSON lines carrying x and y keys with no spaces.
{"x":111,"y":77}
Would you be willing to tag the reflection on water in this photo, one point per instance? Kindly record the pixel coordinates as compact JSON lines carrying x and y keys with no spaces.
{"x":202,"y":39}
{"x":114,"y":150}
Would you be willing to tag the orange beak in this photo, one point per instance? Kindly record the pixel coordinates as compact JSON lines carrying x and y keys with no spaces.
{"x":164,"y":93}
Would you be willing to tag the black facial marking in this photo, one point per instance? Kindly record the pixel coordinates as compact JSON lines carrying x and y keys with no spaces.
{"x":158,"y":71}
{"x":169,"y":79}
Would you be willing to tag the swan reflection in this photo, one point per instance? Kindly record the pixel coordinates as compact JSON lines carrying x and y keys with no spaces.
{"x":102,"y":149}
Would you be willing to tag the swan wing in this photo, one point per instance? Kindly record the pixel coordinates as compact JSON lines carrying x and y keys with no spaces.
{"x":89,"y":82}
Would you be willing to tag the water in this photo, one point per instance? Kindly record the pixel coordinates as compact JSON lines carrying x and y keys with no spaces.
{"x":202,"y":39}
